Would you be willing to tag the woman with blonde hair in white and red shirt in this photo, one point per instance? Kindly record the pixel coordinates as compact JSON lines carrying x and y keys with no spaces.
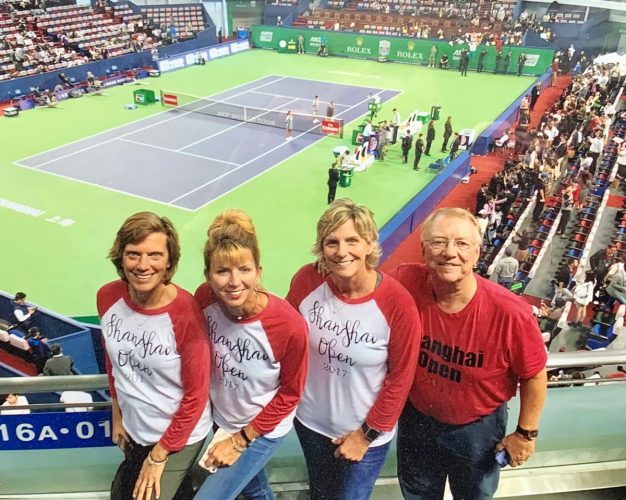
{"x":364,"y":335}
{"x":259,"y":361}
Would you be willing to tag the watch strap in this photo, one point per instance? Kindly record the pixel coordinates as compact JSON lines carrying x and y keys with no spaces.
{"x":370,"y":433}
{"x":528,"y":434}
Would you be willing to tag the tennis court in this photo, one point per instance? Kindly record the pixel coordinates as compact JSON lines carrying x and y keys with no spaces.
{"x":187,"y":158}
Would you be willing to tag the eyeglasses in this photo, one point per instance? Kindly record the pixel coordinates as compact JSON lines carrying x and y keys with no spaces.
{"x":441,"y":243}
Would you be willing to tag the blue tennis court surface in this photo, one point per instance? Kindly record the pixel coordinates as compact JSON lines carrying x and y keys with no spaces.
{"x":188,"y":159}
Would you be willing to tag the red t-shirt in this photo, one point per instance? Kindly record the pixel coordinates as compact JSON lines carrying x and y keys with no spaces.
{"x":470,"y":362}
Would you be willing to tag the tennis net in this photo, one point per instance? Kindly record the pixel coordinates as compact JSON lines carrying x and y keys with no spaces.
{"x":313,"y":124}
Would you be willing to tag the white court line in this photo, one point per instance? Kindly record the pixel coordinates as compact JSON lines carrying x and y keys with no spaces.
{"x":87,"y":148}
{"x":230,"y":128}
{"x":102,"y":186}
{"x":178,"y":152}
{"x":129,"y":123}
{"x":298,"y":98}
{"x":345,"y":84}
{"x":256,"y":158}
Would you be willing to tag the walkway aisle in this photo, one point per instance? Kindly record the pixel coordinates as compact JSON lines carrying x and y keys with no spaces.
{"x":464,"y":195}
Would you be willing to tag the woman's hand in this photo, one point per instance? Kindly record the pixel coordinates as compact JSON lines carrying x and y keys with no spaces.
{"x":224,"y":454}
{"x":353,"y":446}
{"x":148,"y":485}
{"x":119,"y":435}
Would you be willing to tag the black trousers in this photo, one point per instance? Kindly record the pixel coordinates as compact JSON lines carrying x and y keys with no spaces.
{"x":428,"y":143}
{"x":538,"y":210}
{"x":418,"y":157}
{"x":332,"y":191}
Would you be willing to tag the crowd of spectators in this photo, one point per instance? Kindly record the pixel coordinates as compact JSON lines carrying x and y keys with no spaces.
{"x":491,"y":23}
{"x":35,"y":39}
{"x":557,"y":160}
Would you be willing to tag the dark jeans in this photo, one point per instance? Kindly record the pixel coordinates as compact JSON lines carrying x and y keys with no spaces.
{"x":505,"y":282}
{"x":332,"y":478}
{"x":429,"y":451}
{"x":245,"y":477}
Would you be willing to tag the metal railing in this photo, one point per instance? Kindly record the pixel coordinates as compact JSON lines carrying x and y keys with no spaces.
{"x":21,"y":385}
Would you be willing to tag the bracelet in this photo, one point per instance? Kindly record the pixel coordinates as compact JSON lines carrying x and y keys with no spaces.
{"x":236,"y":447}
{"x":152,"y":461}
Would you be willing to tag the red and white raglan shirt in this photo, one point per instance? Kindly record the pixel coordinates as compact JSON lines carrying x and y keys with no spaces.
{"x":157,"y":362}
{"x":470,"y":362}
{"x":362,"y":355}
{"x":258,"y":365}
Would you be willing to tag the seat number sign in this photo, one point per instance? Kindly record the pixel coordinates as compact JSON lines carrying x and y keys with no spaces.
{"x":38,"y":431}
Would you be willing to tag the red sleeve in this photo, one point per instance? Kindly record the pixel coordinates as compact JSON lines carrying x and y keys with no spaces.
{"x":527,"y":351}
{"x":105,"y":298}
{"x":303,"y":282}
{"x":192,"y":343}
{"x":287,"y":333}
{"x":204,"y":296}
{"x":404,"y":340}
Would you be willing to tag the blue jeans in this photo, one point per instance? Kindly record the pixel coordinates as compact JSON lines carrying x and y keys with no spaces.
{"x":334,"y":478}
{"x":429,"y":451}
{"x":506,"y":282}
{"x":246,"y":476}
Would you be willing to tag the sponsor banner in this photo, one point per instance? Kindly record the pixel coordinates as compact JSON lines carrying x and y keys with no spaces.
{"x":331,"y":127}
{"x":531,"y":60}
{"x":170,"y":100}
{"x":221,"y":51}
{"x":208,"y":53}
{"x":395,"y":49}
{"x":43,"y":431}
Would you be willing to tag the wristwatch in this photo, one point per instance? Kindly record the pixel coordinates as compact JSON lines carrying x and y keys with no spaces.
{"x":371,"y":434}
{"x":530,"y":435}
{"x":246,"y":438}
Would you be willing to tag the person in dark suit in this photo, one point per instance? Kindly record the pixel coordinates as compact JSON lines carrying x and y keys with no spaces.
{"x":481,"y":61}
{"x":464,"y":62}
{"x":447,"y":133}
{"x":496,"y":68}
{"x":521,"y":61}
{"x":534,"y":95}
{"x":454,"y":149}
{"x":333,"y":179}
{"x":407,"y":142}
{"x":38,"y":347}
{"x":507,"y":62}
{"x":419,"y":149}
{"x":59,"y":363}
{"x":430,"y":136}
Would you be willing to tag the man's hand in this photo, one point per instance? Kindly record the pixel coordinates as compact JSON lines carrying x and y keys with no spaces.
{"x":518,"y":447}
{"x":353,"y":446}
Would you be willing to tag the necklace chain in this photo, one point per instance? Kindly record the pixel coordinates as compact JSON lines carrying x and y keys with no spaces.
{"x":243,"y":316}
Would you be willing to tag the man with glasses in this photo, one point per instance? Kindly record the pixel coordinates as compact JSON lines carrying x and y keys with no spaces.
{"x":479,"y":341}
